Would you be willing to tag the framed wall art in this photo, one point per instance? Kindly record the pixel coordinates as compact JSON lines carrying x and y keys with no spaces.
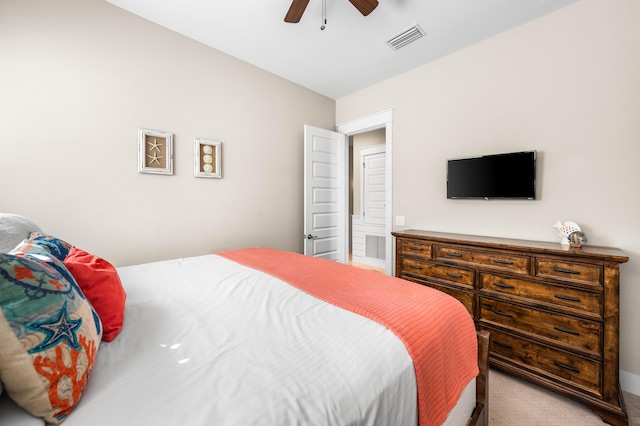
{"x":155,"y":152}
{"x":207,"y":159}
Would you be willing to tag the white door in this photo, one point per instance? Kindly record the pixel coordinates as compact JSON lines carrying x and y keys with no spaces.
{"x":373,"y":185}
{"x":325,"y":194}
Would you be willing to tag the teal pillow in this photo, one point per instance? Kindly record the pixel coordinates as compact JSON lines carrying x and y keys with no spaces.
{"x":57,"y":247}
{"x":49,"y":333}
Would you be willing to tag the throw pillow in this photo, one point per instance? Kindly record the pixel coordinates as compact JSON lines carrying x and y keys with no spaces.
{"x":49,"y":334}
{"x":13,"y":229}
{"x":100,"y":283}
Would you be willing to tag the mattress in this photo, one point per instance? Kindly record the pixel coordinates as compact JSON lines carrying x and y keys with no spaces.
{"x":208,"y":341}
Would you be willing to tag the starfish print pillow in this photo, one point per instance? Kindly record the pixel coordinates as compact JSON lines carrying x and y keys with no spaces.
{"x":49,"y":333}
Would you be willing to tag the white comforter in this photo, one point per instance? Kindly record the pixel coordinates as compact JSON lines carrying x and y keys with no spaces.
{"x":207,"y":341}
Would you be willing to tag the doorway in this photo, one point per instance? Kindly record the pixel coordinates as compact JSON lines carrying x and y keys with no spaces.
{"x":381,"y":122}
{"x":367,"y":200}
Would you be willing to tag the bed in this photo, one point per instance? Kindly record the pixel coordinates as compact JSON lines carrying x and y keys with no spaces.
{"x":244,"y":337}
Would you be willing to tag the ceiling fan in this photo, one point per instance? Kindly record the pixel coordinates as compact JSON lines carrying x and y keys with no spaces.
{"x":298,"y":6}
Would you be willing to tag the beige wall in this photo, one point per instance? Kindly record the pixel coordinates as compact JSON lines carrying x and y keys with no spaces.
{"x":566,"y":85}
{"x":78,"y":77}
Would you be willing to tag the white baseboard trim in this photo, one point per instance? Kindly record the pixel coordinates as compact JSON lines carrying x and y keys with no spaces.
{"x":630,"y":382}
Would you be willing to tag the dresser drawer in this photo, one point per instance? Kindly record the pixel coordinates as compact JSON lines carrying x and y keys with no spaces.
{"x":589,"y":302}
{"x":414,"y":247}
{"x":433,"y":270}
{"x":583,"y":273}
{"x":484,"y":258}
{"x":573,"y":332}
{"x":553,"y":363}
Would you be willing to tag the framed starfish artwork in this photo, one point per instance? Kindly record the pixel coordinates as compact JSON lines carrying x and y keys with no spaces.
{"x":155,"y":152}
{"x":207,"y":157}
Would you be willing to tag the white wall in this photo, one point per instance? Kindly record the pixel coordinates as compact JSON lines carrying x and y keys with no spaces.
{"x":566,"y":85}
{"x":78,"y":77}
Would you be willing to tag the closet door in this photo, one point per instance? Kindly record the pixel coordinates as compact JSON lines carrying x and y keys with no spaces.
{"x":373,"y":182}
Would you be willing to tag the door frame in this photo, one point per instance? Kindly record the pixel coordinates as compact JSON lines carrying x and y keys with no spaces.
{"x":380,"y":120}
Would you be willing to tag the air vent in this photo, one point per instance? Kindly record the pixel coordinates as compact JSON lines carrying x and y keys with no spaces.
{"x":409,"y":35}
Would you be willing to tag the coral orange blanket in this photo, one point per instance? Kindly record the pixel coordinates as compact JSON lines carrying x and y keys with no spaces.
{"x":436,"y":329}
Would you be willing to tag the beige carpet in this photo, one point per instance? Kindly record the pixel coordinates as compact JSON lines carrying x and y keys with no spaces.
{"x":514,"y":402}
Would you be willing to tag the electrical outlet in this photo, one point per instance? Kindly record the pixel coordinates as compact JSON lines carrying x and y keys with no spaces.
{"x":399,"y":220}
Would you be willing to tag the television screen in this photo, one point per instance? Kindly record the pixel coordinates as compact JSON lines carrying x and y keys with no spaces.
{"x":511,"y":175}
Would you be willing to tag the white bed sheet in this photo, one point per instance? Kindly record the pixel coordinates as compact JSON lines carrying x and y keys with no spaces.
{"x":207,"y":341}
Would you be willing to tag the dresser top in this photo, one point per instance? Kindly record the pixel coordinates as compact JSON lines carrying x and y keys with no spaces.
{"x":609,"y":253}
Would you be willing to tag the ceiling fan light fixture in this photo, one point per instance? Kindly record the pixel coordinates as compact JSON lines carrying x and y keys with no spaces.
{"x":407,"y":36}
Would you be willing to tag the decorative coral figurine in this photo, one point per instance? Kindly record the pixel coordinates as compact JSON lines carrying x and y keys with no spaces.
{"x":564,"y":230}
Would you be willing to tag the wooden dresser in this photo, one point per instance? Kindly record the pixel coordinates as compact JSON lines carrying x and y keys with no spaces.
{"x":552,"y":311}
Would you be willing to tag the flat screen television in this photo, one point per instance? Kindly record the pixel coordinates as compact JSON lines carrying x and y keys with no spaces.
{"x":508,"y":176}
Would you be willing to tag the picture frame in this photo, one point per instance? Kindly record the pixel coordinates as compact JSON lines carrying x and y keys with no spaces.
{"x":155,"y":152}
{"x":207,"y":159}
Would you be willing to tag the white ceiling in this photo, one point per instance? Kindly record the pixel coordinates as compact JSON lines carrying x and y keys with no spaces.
{"x":351,"y":53}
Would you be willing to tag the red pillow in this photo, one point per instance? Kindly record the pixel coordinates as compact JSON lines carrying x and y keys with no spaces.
{"x":100,"y":283}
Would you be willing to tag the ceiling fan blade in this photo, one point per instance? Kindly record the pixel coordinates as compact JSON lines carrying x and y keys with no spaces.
{"x":296,"y":10}
{"x":365,"y":6}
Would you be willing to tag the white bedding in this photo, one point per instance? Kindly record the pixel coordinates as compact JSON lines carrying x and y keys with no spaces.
{"x":207,"y":341}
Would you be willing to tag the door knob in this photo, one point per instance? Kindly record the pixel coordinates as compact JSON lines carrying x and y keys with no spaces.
{"x":310,"y":237}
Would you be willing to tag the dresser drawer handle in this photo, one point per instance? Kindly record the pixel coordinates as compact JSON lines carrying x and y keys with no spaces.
{"x":454,"y":254}
{"x":504,"y":314}
{"x":419,"y":268}
{"x":565,"y":330}
{"x":566,"y":271}
{"x":502,"y":285}
{"x":502,"y":345}
{"x":452,"y":275}
{"x":570,"y":299}
{"x":565,"y":366}
{"x":502,"y":262}
{"x":415,"y":248}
